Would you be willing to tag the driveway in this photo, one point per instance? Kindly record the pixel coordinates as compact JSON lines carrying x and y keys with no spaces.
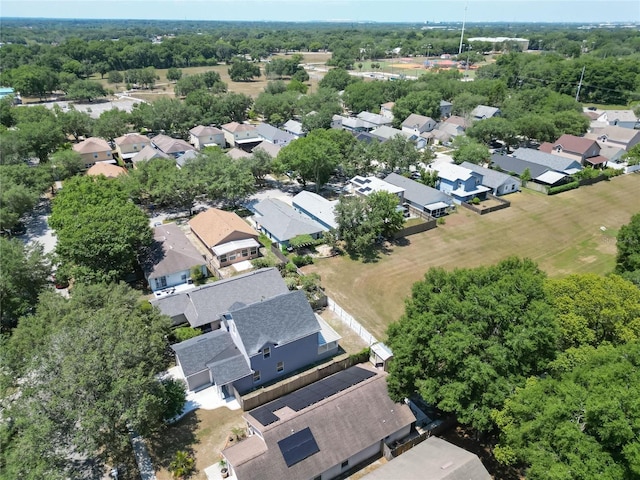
{"x":38,"y":229}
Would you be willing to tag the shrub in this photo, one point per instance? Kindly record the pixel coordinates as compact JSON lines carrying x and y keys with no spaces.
{"x":301,"y":261}
{"x":291,"y":268}
{"x":441,"y":221}
{"x":183,"y":464}
{"x":475,"y":201}
{"x":264,"y":240}
{"x":563,"y":188}
{"x":262,"y":262}
{"x":185,"y":333}
{"x":197,"y":276}
{"x":174,"y":398}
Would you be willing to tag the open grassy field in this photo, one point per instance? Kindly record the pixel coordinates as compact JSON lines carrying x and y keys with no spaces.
{"x":562,"y":233}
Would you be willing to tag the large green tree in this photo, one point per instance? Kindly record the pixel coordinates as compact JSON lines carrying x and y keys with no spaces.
{"x":82,"y":374}
{"x":579,"y":423}
{"x":628,"y":257}
{"x":469,"y":337}
{"x":100,"y":231}
{"x":23,"y":275}
{"x":243,"y":71}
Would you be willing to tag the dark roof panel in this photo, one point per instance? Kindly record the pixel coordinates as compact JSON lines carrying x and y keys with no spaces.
{"x":298,"y":446}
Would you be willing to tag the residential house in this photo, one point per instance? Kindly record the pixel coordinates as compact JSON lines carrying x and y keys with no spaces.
{"x":241,"y":135}
{"x":416,"y":124}
{"x":256,"y":343}
{"x":171,"y":259}
{"x":236,"y":154}
{"x":206,"y":136}
{"x":619,"y":118}
{"x":386,"y":109}
{"x":584,"y":150}
{"x":433,"y":459}
{"x":365,"y":137}
{"x":173,"y":147}
{"x":612,"y":153}
{"x":350,"y":124}
{"x":274,"y":135}
{"x":227,"y":236}
{"x":625,"y":138}
{"x":105,"y":169}
{"x":94,"y":150}
{"x":461,"y":183}
{"x":374,"y":120}
{"x":421,"y":197}
{"x":539,"y":173}
{"x":268,"y":147}
{"x":185,"y":157}
{"x":558,"y":163}
{"x":445,"y":109}
{"x":294,"y":127}
{"x":149,"y":153}
{"x":385,"y":133}
{"x":204,"y":306}
{"x":281,"y":223}
{"x":130,"y":144}
{"x":482,"y":112}
{"x":321,"y":431}
{"x":499,"y":183}
{"x":316,"y":208}
{"x":459,"y":121}
{"x":365,"y":186}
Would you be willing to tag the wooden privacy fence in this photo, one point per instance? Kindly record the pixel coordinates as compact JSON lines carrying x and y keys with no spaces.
{"x":502,"y":203}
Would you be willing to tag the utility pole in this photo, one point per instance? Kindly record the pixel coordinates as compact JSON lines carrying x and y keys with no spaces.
{"x":580,"y":83}
{"x":464,"y":20}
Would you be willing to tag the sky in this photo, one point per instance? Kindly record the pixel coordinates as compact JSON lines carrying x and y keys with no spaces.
{"x":430,"y":11}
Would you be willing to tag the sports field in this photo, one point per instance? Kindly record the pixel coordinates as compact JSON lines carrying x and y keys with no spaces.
{"x":562,"y":233}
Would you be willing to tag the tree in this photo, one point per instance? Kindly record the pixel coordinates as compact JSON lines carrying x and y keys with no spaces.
{"x":337,"y":79}
{"x":243,"y":71}
{"x":363,"y":221}
{"x":628,"y":244}
{"x":73,"y":122}
{"x":581,"y":422}
{"x":495,"y":128}
{"x":260,"y":164}
{"x":33,"y":80}
{"x":38,"y":132}
{"x":85,"y":90}
{"x":183,"y":464}
{"x":425,"y":103}
{"x":83,"y":397}
{"x":115,"y":77}
{"x":468,"y":150}
{"x":23,"y":276}
{"x":100,"y":232}
{"x":66,"y":164}
{"x":632,"y":156}
{"x":111,"y":124}
{"x":398,"y":153}
{"x":469,"y":337}
{"x":313,"y":158}
{"x":281,"y":106}
{"x":174,"y":74}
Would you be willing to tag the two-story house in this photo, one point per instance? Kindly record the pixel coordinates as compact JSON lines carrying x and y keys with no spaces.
{"x":170,"y":146}
{"x":94,"y":150}
{"x":274,"y":135}
{"x":422,"y":198}
{"x":241,"y":135}
{"x":128,"y":145}
{"x":416,"y":124}
{"x":584,"y":150}
{"x":461,"y":183}
{"x":206,"y":136}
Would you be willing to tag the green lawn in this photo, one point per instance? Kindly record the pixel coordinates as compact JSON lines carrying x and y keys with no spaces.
{"x":562,"y":233}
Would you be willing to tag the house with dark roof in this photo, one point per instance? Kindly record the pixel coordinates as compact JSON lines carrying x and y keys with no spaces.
{"x":227,"y":236}
{"x":461,"y":183}
{"x":422,"y":197}
{"x":321,"y":431}
{"x":584,"y":150}
{"x":433,"y":459}
{"x":256,"y":344}
{"x":482,"y":112}
{"x":558,"y":163}
{"x":274,"y":135}
{"x":174,"y":147}
{"x":499,"y":183}
{"x":281,"y":223}
{"x":206,"y":136}
{"x":128,"y":145}
{"x":203,"y":306}
{"x":539,"y":173}
{"x":171,"y":259}
{"x":317,"y":208}
{"x":416,"y":124}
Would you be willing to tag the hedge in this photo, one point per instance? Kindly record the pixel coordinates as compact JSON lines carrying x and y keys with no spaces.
{"x":563,"y":188}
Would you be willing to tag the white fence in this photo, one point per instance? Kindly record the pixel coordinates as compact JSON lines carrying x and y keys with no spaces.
{"x":351,"y":322}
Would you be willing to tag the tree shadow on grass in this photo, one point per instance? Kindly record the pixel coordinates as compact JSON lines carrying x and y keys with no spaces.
{"x":179,"y":436}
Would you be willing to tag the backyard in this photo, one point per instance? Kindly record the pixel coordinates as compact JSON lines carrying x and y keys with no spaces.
{"x":562,"y":233}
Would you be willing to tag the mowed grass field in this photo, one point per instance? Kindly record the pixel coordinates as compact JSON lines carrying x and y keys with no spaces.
{"x":562,"y":233}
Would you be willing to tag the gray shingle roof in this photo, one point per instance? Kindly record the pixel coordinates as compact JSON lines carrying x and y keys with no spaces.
{"x":186,"y":156}
{"x":214,"y":349}
{"x":282,"y":221}
{"x":416,"y":121}
{"x":294,"y":127}
{"x":272,"y":134}
{"x":278,"y":320}
{"x":490,"y":178}
{"x":317,"y":206}
{"x":516,"y":165}
{"x":484,"y":111}
{"x":170,"y":252}
{"x":207,"y":303}
{"x":554,"y":162}
{"x":416,"y":192}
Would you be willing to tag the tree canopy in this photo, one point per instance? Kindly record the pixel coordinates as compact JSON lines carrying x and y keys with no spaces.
{"x":628,"y":257}
{"x":469,"y":337}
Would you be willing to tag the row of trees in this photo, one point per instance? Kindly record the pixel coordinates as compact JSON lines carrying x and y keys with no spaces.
{"x":553,"y":363}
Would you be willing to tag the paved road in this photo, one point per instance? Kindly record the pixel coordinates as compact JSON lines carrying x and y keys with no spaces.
{"x":38,"y":228}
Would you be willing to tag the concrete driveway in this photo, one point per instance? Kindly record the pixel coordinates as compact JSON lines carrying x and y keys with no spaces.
{"x":38,"y":229}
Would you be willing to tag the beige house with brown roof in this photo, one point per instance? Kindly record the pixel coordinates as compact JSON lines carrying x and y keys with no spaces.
{"x":93,"y":150}
{"x":227,"y":236}
{"x":106,"y":169}
{"x":625,"y":138}
{"x":238,"y":134}
{"x":128,"y":145}
{"x":202,"y":136}
{"x":321,"y":431}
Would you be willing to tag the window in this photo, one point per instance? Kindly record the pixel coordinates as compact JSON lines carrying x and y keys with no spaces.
{"x":245,"y":253}
{"x":254,"y":250}
{"x":95,"y":155}
{"x":266,"y":353}
{"x":183,"y":277}
{"x":163,"y":282}
{"x":280,"y":367}
{"x":232,"y":257}
{"x":256,"y":376}
{"x":223,"y":259}
{"x":344,"y":464}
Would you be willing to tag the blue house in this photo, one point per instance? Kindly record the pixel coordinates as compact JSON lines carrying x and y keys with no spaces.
{"x":461,"y":183}
{"x":256,"y":344}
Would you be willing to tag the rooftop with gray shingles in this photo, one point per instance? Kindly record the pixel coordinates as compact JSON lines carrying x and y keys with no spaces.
{"x":278,"y":320}
{"x":490,"y":178}
{"x":418,"y":193}
{"x":516,"y":165}
{"x":282,"y":221}
{"x":554,"y":162}
{"x":170,"y":252}
{"x":207,"y":303}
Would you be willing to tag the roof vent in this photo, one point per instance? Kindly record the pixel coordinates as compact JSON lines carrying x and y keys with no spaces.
{"x":446,"y":465}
